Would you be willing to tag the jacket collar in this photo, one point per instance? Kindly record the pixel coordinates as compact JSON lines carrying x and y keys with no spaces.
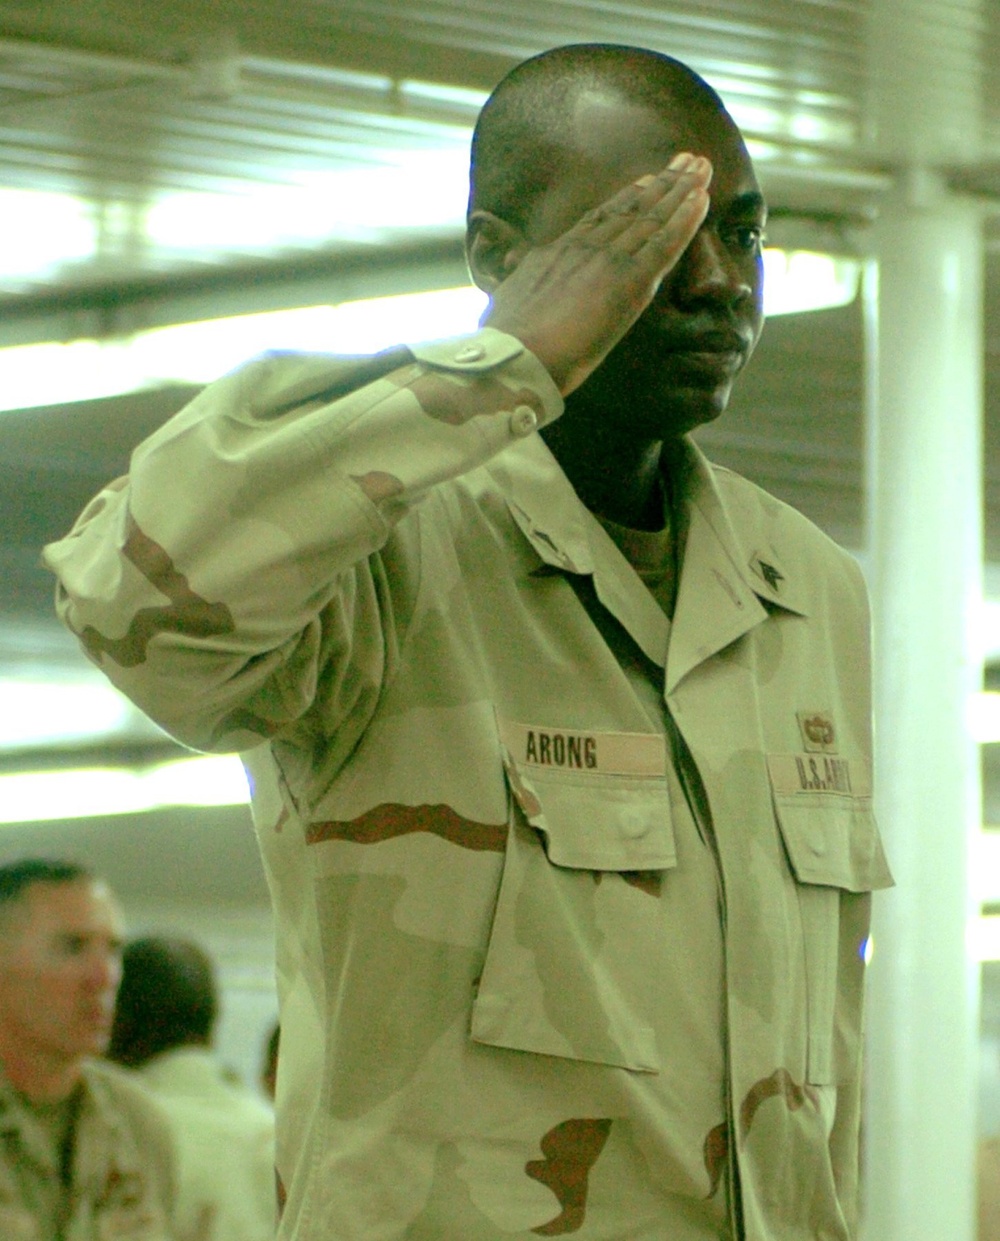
{"x":569,"y":539}
{"x":733,"y":573}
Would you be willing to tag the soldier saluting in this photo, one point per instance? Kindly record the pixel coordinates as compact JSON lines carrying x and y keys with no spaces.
{"x":516,"y":999}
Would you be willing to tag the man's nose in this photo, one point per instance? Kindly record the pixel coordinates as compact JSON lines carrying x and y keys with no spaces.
{"x":104,"y":971}
{"x":708,"y":272}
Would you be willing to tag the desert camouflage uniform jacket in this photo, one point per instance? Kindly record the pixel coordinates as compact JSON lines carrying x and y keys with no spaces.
{"x":552,"y":960}
{"x":121,"y":1185}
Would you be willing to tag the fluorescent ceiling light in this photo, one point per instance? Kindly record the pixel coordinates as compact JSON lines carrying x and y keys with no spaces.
{"x":984,"y":866}
{"x":67,"y":711}
{"x":983,"y":718}
{"x":93,"y":792}
{"x":802,"y":280}
{"x":983,"y":935}
{"x":396,"y":194}
{"x":52,"y":374}
{"x":42,"y":232}
{"x":983,"y":938}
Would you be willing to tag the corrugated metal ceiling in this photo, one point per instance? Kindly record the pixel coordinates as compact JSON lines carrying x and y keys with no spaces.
{"x":122,"y":101}
{"x":67,"y":69}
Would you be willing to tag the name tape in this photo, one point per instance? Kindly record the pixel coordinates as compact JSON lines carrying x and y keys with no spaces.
{"x":602,"y":753}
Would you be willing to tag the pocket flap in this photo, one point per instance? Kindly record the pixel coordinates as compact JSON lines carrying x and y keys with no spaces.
{"x":595,"y":822}
{"x":823,"y":805}
{"x":834,"y":842}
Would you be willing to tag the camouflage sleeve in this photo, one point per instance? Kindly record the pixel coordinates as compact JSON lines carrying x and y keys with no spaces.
{"x":197,"y":581}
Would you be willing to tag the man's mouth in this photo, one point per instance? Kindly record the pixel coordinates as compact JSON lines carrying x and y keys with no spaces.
{"x":715,"y":341}
{"x":717,"y":352}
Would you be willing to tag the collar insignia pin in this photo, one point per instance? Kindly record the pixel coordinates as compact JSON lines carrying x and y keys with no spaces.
{"x":770,"y":574}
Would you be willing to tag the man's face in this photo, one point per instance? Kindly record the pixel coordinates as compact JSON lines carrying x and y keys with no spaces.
{"x":675,"y":368}
{"x":60,"y":965}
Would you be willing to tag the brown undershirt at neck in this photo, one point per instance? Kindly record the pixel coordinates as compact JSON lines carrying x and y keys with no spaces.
{"x":653,"y":555}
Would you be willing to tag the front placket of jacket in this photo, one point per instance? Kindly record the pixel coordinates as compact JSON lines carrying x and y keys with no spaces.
{"x":712,"y":695}
{"x":706,"y":631}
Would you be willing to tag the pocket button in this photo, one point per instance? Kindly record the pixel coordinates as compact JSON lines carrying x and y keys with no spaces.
{"x":634,"y":825}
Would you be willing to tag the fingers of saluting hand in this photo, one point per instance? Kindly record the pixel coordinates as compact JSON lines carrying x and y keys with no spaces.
{"x":655,"y":213}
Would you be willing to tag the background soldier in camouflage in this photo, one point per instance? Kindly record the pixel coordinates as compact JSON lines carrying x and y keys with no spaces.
{"x":565,"y":944}
{"x":84,"y":1154}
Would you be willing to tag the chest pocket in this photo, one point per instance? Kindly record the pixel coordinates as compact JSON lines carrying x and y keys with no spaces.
{"x":571,"y":964}
{"x":835,"y":853}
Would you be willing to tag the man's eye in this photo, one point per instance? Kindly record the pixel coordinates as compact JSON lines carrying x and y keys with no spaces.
{"x":748,"y":236}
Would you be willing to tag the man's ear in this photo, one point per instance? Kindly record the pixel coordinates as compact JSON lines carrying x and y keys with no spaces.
{"x":493,"y":248}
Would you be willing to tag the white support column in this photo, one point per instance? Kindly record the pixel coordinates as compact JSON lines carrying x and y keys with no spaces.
{"x":925,"y":364}
{"x":925,"y":443}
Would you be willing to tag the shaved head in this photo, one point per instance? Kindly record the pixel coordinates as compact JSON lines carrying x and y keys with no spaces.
{"x":560,"y":136}
{"x":522,"y":145}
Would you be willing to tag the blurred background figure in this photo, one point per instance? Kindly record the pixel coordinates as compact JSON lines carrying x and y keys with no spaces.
{"x":269,"y":1067}
{"x":84,"y":1153}
{"x":163,"y":1028}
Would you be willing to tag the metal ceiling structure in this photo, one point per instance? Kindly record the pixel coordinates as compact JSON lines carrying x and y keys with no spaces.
{"x":123,"y":101}
{"x":122,"y":106}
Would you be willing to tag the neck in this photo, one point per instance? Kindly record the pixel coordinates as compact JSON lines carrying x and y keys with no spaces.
{"x":617,"y":478}
{"x":40,"y":1078}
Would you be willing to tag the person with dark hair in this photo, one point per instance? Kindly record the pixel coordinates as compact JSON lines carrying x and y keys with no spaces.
{"x":559,"y":735}
{"x":167,"y":999}
{"x":164,"y":1028}
{"x":84,"y":1154}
